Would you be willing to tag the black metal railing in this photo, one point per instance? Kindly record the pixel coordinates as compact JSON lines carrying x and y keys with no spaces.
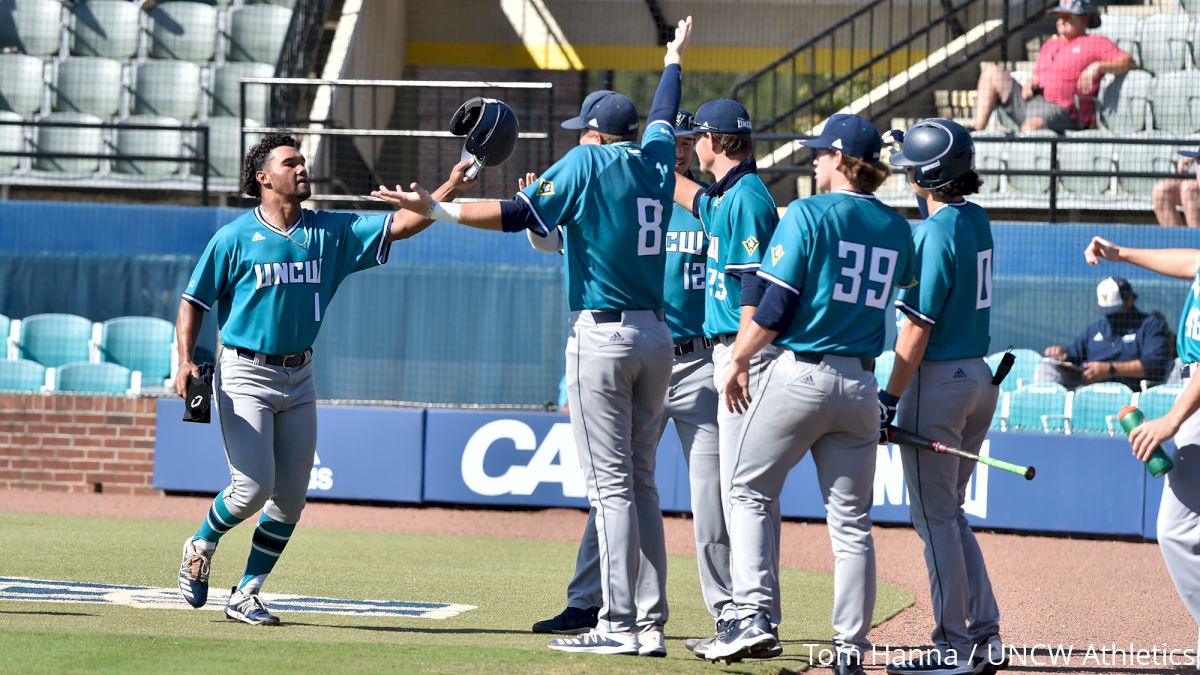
{"x":298,"y":56}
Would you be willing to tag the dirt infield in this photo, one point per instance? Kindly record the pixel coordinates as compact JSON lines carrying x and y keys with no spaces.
{"x":1052,"y":591}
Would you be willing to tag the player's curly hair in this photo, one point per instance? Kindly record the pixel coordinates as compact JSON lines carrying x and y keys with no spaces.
{"x":863,"y":175}
{"x":256,"y":159}
{"x":966,"y":184}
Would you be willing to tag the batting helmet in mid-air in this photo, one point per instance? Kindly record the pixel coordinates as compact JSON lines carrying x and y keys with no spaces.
{"x":491,"y":130}
{"x":938,"y":150}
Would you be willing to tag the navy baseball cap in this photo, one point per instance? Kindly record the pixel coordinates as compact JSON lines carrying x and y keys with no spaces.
{"x":685,"y":124}
{"x":1079,"y":8}
{"x":607,"y":112}
{"x":723,"y":116}
{"x":851,"y":134}
{"x":1190,"y":153}
{"x":1111,"y":294}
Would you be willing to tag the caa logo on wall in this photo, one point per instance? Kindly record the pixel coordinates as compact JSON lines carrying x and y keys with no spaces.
{"x":553,"y":460}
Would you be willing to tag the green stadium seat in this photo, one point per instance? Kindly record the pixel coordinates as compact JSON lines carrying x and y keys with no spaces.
{"x":1176,"y":103}
{"x":225,"y":158}
{"x":883,"y":367}
{"x":225,"y":90}
{"x":83,"y":140}
{"x":1037,"y":407}
{"x":169,"y":88}
{"x":142,"y":343}
{"x":1030,"y":156}
{"x":1087,"y":157}
{"x":1125,"y":101}
{"x":31,"y":26}
{"x":1094,"y":408}
{"x":1145,"y":159}
{"x":257,"y":33}
{"x":149,"y":142}
{"x":1156,"y":401}
{"x":52,"y":339}
{"x":107,"y":28}
{"x":989,"y":155}
{"x":96,"y":378}
{"x":1125,"y":32}
{"x":1166,"y":42}
{"x":12,"y":139}
{"x":183,"y":30}
{"x":21,"y":80}
{"x":22,"y":375}
{"x":87,"y":84}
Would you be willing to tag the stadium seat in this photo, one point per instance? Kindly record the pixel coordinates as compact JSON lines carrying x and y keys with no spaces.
{"x":22,"y":375}
{"x":169,"y":88}
{"x":1030,"y":156}
{"x":12,"y":139}
{"x":183,"y":30}
{"x":989,"y":155}
{"x":1190,"y":6}
{"x":97,"y":378}
{"x":141,"y":343}
{"x":1001,"y":411}
{"x":282,"y":3}
{"x":1125,"y":101}
{"x":107,"y":28}
{"x":1087,"y":157}
{"x":167,"y":142}
{"x":225,"y":158}
{"x":1094,"y":408}
{"x":83,"y":140}
{"x":1144,"y":159}
{"x":31,"y":26}
{"x":1025,"y":364}
{"x":21,"y":80}
{"x":1124,"y":31}
{"x":5,"y":326}
{"x":87,"y":84}
{"x":1037,"y":407}
{"x":226,"y":90}
{"x":257,"y":32}
{"x":1156,"y":401}
{"x":1176,"y":104}
{"x":52,"y":339}
{"x":1166,"y":42}
{"x":883,"y":367}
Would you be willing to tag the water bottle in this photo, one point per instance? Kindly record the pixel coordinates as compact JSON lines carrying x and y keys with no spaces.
{"x":1159,"y":462}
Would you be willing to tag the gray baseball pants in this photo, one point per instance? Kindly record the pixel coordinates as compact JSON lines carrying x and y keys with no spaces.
{"x":617,"y":378}
{"x":831,"y":408}
{"x":692,"y":402}
{"x":1179,"y":515}
{"x":951,"y":402}
{"x":268,"y":418}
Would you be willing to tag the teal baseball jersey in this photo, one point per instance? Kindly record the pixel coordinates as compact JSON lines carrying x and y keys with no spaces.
{"x":845,"y":254}
{"x":270,"y":287}
{"x":613,"y":203}
{"x":683,"y":283}
{"x":739,"y":223}
{"x":1187,"y":344}
{"x":954,"y":293}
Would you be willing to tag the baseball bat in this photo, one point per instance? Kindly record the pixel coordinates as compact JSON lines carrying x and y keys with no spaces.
{"x":904,"y":437}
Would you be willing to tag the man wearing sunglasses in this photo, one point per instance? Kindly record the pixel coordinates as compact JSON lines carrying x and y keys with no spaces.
{"x":1060,"y":93}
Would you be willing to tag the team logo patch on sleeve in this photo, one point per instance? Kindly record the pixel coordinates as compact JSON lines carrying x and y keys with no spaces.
{"x":751,"y":245}
{"x":776,"y":253}
{"x":545,"y":188}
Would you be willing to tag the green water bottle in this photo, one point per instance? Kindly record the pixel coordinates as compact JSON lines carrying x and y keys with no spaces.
{"x":1159,"y":462}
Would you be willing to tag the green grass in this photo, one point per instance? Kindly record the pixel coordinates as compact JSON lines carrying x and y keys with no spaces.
{"x":513,"y":583}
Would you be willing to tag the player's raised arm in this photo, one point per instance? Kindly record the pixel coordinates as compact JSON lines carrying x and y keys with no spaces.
{"x":666,"y":97}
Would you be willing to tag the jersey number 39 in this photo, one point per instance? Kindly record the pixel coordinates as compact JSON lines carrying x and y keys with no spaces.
{"x":882,"y":267}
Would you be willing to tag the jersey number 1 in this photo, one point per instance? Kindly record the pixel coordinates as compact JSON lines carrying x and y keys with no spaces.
{"x":649,"y":215}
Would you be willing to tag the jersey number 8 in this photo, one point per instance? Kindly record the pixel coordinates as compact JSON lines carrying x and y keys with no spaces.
{"x":883,"y":267}
{"x":649,"y":215}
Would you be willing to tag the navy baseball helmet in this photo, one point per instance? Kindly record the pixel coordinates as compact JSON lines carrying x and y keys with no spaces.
{"x":491,"y":129}
{"x":938,"y":150}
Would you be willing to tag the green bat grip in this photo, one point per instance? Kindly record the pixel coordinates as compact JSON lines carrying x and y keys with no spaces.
{"x":1027,"y":471}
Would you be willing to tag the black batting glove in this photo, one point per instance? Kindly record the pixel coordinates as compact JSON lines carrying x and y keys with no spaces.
{"x":887,"y":413}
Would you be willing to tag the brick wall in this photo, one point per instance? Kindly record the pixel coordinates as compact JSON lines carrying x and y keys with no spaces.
{"x":70,"y":443}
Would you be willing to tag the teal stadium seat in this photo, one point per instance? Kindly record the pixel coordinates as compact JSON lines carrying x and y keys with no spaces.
{"x":1037,"y":408}
{"x":53,"y":339}
{"x":1000,"y":412}
{"x":21,"y":81}
{"x":82,"y":140}
{"x":1024,"y":365}
{"x":169,"y":88}
{"x":1176,"y":103}
{"x":1125,"y":32}
{"x":107,"y":28}
{"x":1094,"y":408}
{"x":1156,"y":401}
{"x":166,"y":142}
{"x":87,"y":84}
{"x":22,"y":375}
{"x":1125,"y":102}
{"x":183,"y":30}
{"x":31,"y":26}
{"x":1031,"y":156}
{"x":141,"y":343}
{"x":96,"y":378}
{"x":225,"y":90}
{"x":1087,"y":157}
{"x":12,"y":139}
{"x":257,"y":32}
{"x":1166,"y":43}
{"x":225,"y":158}
{"x":883,"y":367}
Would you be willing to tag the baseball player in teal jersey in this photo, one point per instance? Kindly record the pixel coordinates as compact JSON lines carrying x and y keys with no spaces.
{"x":739,"y":216}
{"x":609,"y":195}
{"x":941,"y":388}
{"x":271,"y":274}
{"x":691,"y":402}
{"x":833,"y":265}
{"x":1179,"y":510}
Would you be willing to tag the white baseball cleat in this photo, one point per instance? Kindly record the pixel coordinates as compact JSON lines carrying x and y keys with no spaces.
{"x":249,"y":608}
{"x":651,"y":642}
{"x":598,"y":642}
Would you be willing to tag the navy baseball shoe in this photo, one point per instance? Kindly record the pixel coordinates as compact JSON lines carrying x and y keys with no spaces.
{"x":848,"y":664}
{"x":751,"y":634}
{"x":699,"y":646}
{"x":571,"y":621}
{"x":249,"y":608}
{"x":193,"y":572}
{"x":599,"y":642}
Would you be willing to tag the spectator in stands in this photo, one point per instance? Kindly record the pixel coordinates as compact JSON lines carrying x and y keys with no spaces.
{"x":1172,"y":193}
{"x":1060,"y":92}
{"x":1125,"y":346}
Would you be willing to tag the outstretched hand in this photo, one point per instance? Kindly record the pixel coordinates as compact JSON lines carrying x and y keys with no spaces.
{"x":418,"y":201}
{"x":1101,"y":249}
{"x":529,"y":179}
{"x":677,"y":46}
